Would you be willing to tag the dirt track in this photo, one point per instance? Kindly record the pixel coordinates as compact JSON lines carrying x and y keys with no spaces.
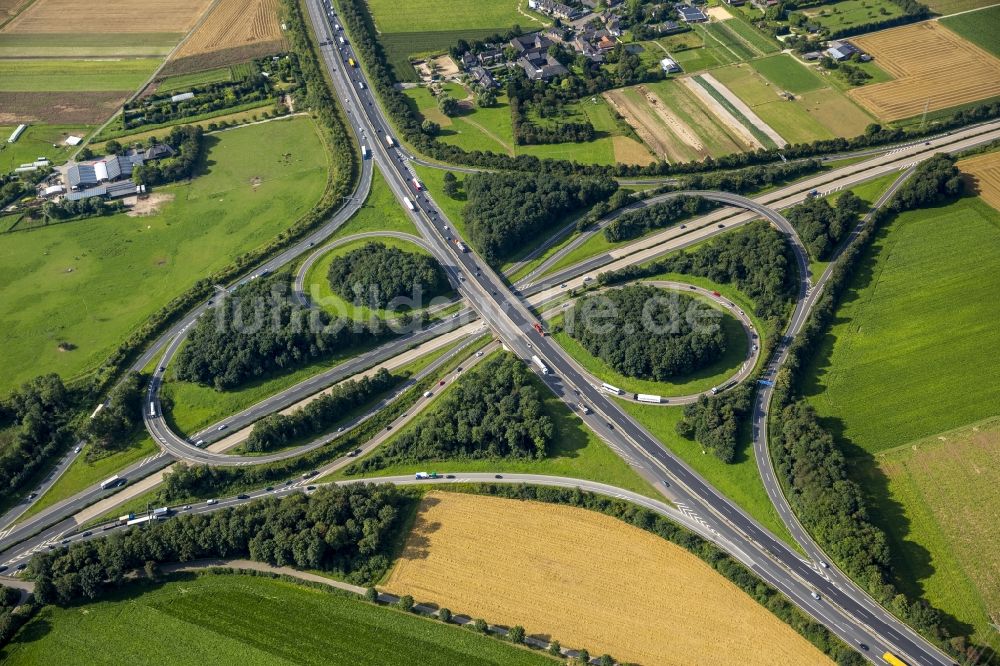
{"x":653,"y":132}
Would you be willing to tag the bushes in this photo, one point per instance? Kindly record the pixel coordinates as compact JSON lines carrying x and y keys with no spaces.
{"x":643,"y":332}
{"x":121,"y":415}
{"x":755,"y":258}
{"x":504,"y":210}
{"x":34,"y":423}
{"x":493,"y":412}
{"x":821,"y":226}
{"x":374,"y":275}
{"x":259,"y":330}
{"x":342,"y":529}
{"x":317,"y":416}
{"x":714,"y":421}
{"x":634,"y":224}
{"x":188,"y":141}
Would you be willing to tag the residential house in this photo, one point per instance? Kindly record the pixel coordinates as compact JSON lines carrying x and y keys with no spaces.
{"x":541,"y":66}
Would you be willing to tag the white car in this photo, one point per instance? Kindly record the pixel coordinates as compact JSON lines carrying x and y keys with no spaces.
{"x":815,"y":595}
{"x":212,"y":501}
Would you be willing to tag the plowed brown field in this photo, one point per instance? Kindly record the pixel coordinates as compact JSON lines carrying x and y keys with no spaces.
{"x":983,"y":175}
{"x":236,"y":23}
{"x":934,"y":69}
{"x":108,"y":16}
{"x":589,"y":581}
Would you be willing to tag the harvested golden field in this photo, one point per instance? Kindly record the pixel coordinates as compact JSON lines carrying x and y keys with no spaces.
{"x":630,"y":151}
{"x":588,"y":581}
{"x":934,"y":69}
{"x":108,"y":16}
{"x":236,"y":23}
{"x":982,"y":173}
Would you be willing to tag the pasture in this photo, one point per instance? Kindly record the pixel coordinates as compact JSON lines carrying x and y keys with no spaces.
{"x":74,"y":75}
{"x":925,"y":84}
{"x":432,"y":16}
{"x":908,"y":355}
{"x":244,"y":29}
{"x":981,"y":28}
{"x":108,"y":16}
{"x":86,"y":45}
{"x":848,"y":13}
{"x":938,"y":504}
{"x":788,"y":74}
{"x":982,"y":176}
{"x":945,"y":7}
{"x":252,"y":621}
{"x":646,"y":600}
{"x":37,"y":141}
{"x":91,"y":282}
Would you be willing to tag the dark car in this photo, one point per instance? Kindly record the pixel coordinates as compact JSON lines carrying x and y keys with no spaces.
{"x":498,"y":476}
{"x":310,"y":488}
{"x":64,"y":541}
{"x":3,"y":568}
{"x":289,"y":482}
{"x":268,"y":489}
{"x":22,"y":566}
{"x":242,"y":496}
{"x":722,"y":226}
{"x":87,"y":534}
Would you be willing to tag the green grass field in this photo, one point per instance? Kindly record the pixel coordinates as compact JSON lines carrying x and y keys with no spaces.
{"x":432,"y":16}
{"x":787,"y":73}
{"x":576,"y":452}
{"x":953,"y":6}
{"x":848,"y":13}
{"x":93,"y":281}
{"x":183,"y":81}
{"x":936,"y":499}
{"x":84,"y":45}
{"x":401,"y":46}
{"x":726,"y":41}
{"x":83,"y":473}
{"x":380,"y":212}
{"x":760,"y":42}
{"x":251,"y":621}
{"x":981,"y":28}
{"x":74,"y":75}
{"x":712,"y":375}
{"x":905,"y":357}
{"x":739,"y":481}
{"x":37,"y":141}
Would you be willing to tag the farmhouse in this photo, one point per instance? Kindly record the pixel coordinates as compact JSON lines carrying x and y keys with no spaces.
{"x":483,"y":78}
{"x":841,"y":50}
{"x":541,"y":66}
{"x":691,"y":14}
{"x":668,"y":28}
{"x":670,"y":66}
{"x":556,"y":9}
{"x":111,"y":176}
{"x":530,"y":43}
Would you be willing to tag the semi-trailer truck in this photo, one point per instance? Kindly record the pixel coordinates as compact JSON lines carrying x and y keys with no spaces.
{"x":113,"y":482}
{"x":645,"y":397}
{"x":541,"y":364}
{"x":409,"y":203}
{"x":416,"y":184}
{"x":364,"y":152}
{"x":389,"y":141}
{"x":152,"y":409}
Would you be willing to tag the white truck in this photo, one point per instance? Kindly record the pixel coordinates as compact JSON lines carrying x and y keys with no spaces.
{"x":584,"y":408}
{"x":389,"y":141}
{"x":364,"y":152}
{"x":541,"y":365}
{"x":416,"y":184}
{"x":409,"y":203}
{"x":421,"y":475}
{"x":645,"y":397}
{"x":113,"y":482}
{"x":152,"y":409}
{"x":461,"y":246}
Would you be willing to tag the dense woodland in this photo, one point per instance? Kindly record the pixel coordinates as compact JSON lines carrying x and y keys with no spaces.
{"x":319,"y":415}
{"x":636,"y":223}
{"x":763,"y":593}
{"x":374,"y":275}
{"x":647,"y":332}
{"x":821,"y":226}
{"x":506,"y":210}
{"x":260,"y":330}
{"x":34,"y":428}
{"x":755,"y":258}
{"x":119,"y":418}
{"x":714,"y":421}
{"x":346,"y":530}
{"x":810,"y":462}
{"x":492,"y":412}
{"x":188,"y":141}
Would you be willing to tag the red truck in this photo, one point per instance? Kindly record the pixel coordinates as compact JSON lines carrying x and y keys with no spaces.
{"x":538,"y":327}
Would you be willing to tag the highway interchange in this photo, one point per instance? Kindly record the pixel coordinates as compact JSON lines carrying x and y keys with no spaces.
{"x":842,"y":607}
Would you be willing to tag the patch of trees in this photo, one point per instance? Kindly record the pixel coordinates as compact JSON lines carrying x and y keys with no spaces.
{"x":34,"y":426}
{"x":527,"y":133}
{"x":11,"y":189}
{"x":714,"y":421}
{"x":504,"y":210}
{"x":619,"y":199}
{"x":12,"y":616}
{"x":659,"y":216}
{"x":913,"y":11}
{"x":767,"y":596}
{"x":404,"y":117}
{"x":347,"y":530}
{"x":188,"y":142}
{"x":374,"y":275}
{"x":934,"y":181}
{"x":822,"y":226}
{"x":755,"y":258}
{"x":260,"y":330}
{"x":493,"y":412}
{"x":255,"y":87}
{"x":645,"y":332}
{"x":110,"y":428}
{"x":319,"y":415}
{"x":70,"y":210}
{"x":752,"y":177}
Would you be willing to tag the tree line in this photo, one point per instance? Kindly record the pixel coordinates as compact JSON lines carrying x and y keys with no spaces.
{"x":319,"y":415}
{"x":714,"y":421}
{"x":346,"y":530}
{"x":636,"y":223}
{"x":493,"y":412}
{"x":35,"y":425}
{"x":821,"y":226}
{"x":734,"y":571}
{"x":506,"y":210}
{"x":259,"y":330}
{"x":119,"y":417}
{"x":755,"y":258}
{"x":188,"y":141}
{"x":830,"y":504}
{"x":645,"y":332}
{"x":373,"y":275}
